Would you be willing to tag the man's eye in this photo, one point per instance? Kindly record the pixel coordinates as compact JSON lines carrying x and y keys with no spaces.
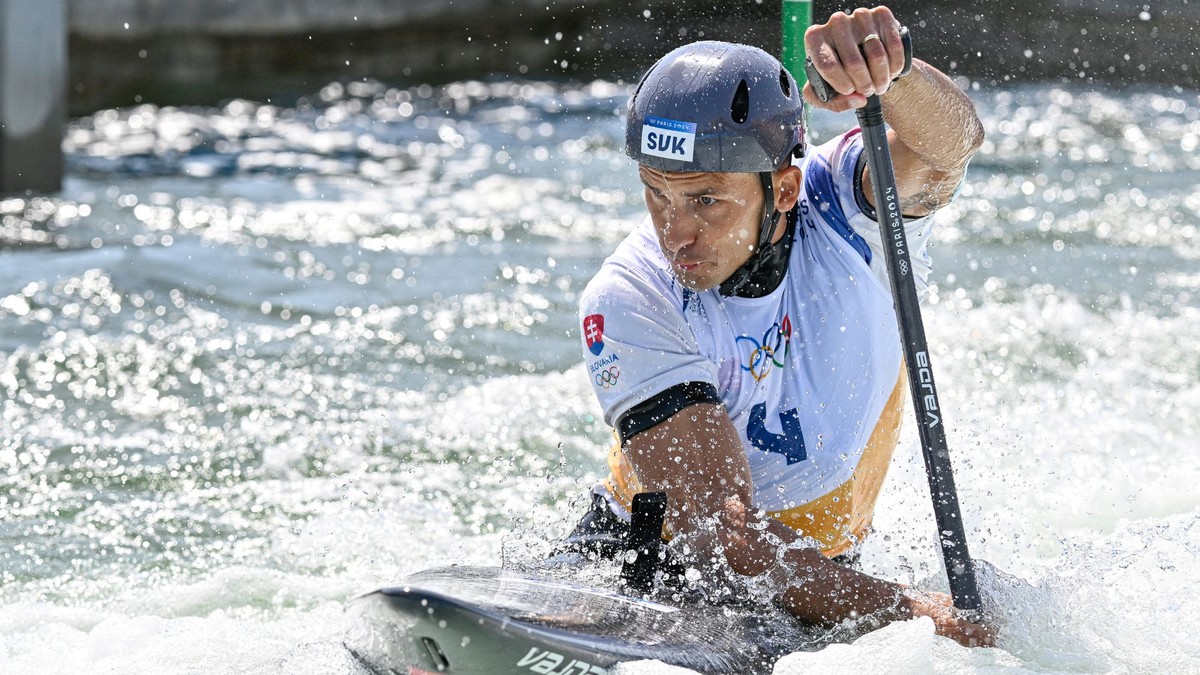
{"x":707,"y":201}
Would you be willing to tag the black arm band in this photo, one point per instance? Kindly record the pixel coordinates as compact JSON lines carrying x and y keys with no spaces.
{"x":860,"y":195}
{"x":660,"y":407}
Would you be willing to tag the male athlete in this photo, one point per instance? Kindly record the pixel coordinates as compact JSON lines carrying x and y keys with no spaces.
{"x":743,"y":342}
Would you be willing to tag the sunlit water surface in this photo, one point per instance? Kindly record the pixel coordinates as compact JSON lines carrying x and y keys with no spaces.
{"x":255,"y":360}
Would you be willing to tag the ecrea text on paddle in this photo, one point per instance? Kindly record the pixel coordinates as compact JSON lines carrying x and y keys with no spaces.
{"x":925,"y":380}
{"x":545,"y":662}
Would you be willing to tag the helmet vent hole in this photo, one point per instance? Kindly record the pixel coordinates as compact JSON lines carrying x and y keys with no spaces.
{"x":785,"y":83}
{"x":739,"y":110}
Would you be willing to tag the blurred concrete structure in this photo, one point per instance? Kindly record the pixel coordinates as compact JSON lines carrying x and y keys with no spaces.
{"x":33,"y":72}
{"x":205,"y":50}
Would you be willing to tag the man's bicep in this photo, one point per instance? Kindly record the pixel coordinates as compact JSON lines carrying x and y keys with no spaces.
{"x":696,"y":456}
{"x":662,"y":406}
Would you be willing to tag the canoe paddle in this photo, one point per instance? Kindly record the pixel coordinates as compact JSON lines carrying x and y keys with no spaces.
{"x":959,"y":567}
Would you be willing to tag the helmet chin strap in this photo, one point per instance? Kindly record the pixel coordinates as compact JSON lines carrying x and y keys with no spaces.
{"x":767,"y":265}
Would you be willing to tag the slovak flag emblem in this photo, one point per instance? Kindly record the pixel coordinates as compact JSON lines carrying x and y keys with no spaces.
{"x":593,"y":333}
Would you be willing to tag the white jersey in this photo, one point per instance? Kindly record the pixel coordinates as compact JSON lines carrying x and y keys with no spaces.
{"x":806,"y":372}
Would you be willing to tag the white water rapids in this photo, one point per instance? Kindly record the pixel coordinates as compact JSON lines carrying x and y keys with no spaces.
{"x":257,"y":359}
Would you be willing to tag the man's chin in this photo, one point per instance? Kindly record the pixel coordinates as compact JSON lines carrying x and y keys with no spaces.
{"x":693,"y":282}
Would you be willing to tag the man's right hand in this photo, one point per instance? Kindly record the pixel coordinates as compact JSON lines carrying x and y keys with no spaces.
{"x":949,"y":621}
{"x":695,"y":456}
{"x":859,"y":54}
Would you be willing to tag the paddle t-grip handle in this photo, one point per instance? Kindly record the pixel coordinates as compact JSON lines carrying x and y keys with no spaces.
{"x":825,"y":92}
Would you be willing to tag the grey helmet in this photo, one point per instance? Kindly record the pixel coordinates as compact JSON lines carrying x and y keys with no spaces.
{"x":721,"y":107}
{"x":716,"y":107}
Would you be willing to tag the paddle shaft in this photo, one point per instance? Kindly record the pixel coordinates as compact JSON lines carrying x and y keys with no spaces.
{"x":959,"y":567}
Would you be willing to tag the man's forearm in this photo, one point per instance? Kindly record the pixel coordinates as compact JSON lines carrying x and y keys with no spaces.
{"x":825,"y":592}
{"x":818,"y":589}
{"x":933,"y":119}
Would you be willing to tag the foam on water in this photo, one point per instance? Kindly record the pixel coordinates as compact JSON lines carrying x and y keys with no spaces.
{"x":1085,"y":523}
{"x":217,"y":642}
{"x":258,"y":359}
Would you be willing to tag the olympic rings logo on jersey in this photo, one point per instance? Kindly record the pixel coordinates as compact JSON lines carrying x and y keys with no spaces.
{"x":771,"y":352}
{"x":608,"y":377}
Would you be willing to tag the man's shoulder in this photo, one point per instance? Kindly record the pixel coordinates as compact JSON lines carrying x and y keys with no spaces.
{"x":833,"y":153}
{"x":829,"y":178}
{"x":636,"y":272}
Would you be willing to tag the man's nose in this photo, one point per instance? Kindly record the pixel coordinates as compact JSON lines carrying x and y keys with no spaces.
{"x":679,"y":230}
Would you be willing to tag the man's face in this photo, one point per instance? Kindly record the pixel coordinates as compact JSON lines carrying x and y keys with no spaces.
{"x":707,"y":223}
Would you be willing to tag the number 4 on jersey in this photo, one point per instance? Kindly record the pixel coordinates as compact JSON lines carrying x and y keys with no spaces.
{"x":790,"y":443}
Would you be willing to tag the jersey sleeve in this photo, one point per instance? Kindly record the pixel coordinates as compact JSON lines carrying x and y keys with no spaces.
{"x":834,"y":178}
{"x":636,"y":342}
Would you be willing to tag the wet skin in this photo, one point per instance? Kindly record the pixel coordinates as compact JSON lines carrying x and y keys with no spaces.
{"x":708,"y":223}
